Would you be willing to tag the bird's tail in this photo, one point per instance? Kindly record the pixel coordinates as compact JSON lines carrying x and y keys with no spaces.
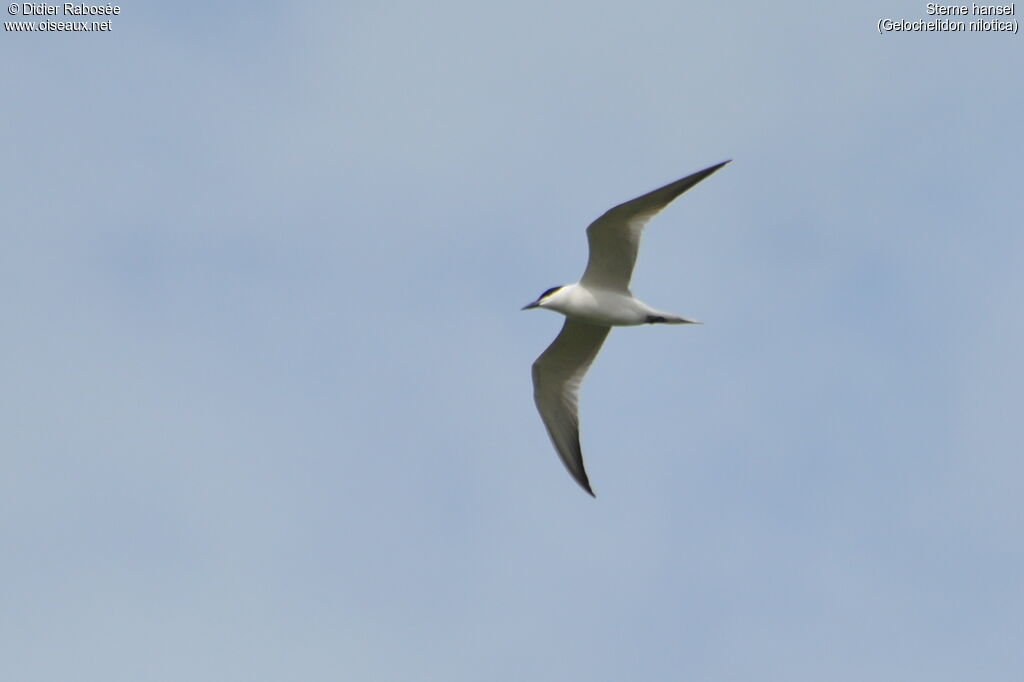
{"x":669,"y":318}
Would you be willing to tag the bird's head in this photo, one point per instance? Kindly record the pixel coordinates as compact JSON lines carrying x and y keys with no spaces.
{"x":545,"y":299}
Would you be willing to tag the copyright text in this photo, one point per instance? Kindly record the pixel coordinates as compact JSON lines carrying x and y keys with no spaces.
{"x":67,"y":9}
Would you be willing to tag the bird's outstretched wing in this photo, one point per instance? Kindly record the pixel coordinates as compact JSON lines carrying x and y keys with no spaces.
{"x":615,"y":237}
{"x":557,"y":374}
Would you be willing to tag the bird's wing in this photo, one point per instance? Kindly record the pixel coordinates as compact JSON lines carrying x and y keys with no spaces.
{"x":557,"y":374}
{"x":615,"y":237}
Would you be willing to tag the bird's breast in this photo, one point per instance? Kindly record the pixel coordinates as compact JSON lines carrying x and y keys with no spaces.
{"x":608,"y":308}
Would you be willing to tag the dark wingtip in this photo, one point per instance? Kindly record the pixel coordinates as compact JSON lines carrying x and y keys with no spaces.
{"x":711,"y":169}
{"x":585,"y":484}
{"x":680,"y":186}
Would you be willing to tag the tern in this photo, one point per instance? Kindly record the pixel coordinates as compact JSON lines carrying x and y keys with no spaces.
{"x":599,"y":301}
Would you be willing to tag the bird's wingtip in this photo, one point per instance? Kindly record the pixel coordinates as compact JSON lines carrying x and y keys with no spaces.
{"x":585,"y":484}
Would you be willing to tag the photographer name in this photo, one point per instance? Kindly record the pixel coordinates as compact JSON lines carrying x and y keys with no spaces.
{"x":67,"y":9}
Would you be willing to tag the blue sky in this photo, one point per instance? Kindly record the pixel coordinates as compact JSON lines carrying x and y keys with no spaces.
{"x":268,"y":411}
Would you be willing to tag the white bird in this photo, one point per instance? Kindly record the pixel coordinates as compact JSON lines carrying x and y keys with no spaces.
{"x":599,"y":301}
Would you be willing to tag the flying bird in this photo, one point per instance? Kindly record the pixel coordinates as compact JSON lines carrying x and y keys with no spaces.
{"x":599,"y":301}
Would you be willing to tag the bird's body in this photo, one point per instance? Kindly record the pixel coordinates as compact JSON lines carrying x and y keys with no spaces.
{"x":606,"y":307}
{"x":599,"y":301}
